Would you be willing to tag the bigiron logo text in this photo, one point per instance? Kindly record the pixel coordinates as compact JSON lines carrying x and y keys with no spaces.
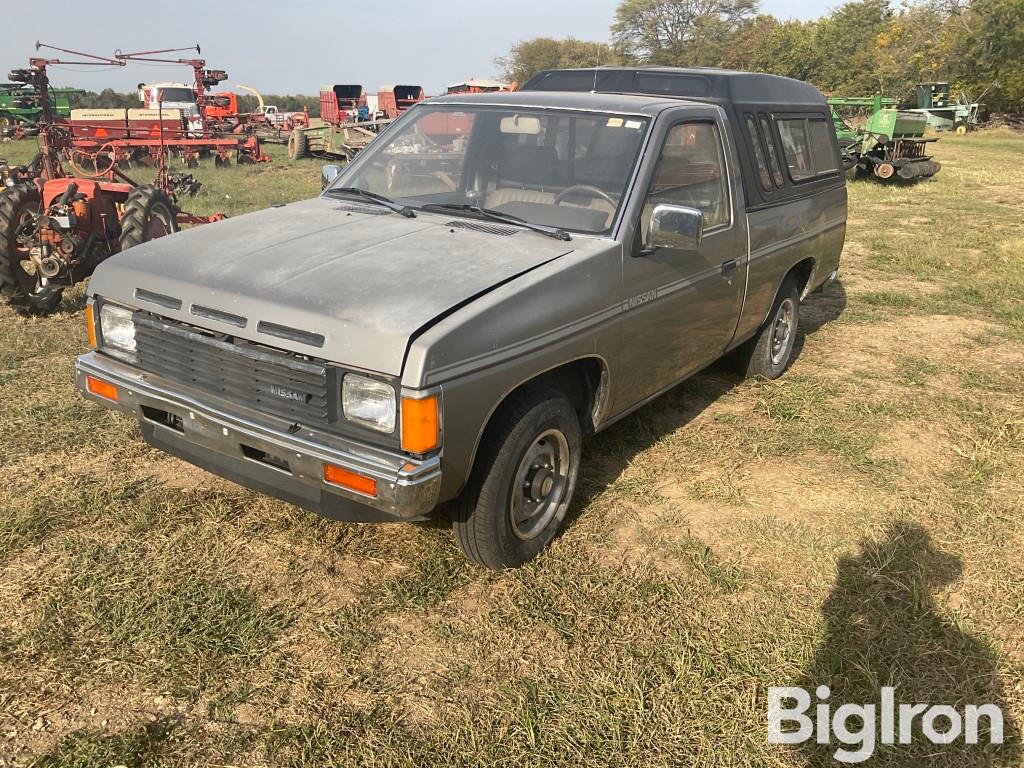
{"x":856,"y":726}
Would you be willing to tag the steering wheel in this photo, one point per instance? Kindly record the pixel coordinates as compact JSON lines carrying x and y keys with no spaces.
{"x":592,"y":191}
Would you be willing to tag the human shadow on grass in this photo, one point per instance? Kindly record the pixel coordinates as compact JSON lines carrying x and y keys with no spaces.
{"x":883,"y":629}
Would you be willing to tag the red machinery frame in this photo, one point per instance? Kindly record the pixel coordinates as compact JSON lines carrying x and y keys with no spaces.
{"x":56,"y":137}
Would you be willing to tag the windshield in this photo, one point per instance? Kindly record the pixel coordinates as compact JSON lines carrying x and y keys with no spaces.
{"x":559,"y":169}
{"x":177,"y":95}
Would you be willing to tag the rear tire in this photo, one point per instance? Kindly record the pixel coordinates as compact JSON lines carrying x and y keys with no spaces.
{"x":522,"y":483}
{"x":148,"y":214}
{"x":770,"y":351}
{"x":298,"y":145}
{"x":19,"y":286}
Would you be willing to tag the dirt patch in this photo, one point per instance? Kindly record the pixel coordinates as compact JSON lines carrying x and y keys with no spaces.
{"x":921,"y":449}
{"x":175,"y":473}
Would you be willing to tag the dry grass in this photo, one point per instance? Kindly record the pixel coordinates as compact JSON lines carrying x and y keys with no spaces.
{"x":856,"y":523}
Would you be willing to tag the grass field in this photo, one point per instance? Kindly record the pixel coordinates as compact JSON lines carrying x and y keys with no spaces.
{"x":857,"y":523}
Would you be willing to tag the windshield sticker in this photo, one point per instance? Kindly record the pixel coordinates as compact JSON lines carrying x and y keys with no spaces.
{"x":634,"y":124}
{"x":614,"y":122}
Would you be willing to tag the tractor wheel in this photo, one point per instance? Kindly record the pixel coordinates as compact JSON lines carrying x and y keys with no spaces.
{"x":148,"y":214}
{"x":21,"y":284}
{"x":298,"y":145}
{"x":5,"y":123}
{"x":961,"y":129}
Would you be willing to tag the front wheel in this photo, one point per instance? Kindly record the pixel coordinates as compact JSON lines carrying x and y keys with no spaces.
{"x":298,"y":145}
{"x":148,"y":214}
{"x":770,"y":351}
{"x":523,"y":481}
{"x":21,"y":282}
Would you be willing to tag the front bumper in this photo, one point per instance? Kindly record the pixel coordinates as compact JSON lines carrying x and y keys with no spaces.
{"x":266,"y":458}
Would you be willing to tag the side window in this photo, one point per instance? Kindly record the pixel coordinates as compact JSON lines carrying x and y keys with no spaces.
{"x":755,"y":144}
{"x":691,"y":172}
{"x":769,"y":140}
{"x":821,"y":147}
{"x":796,"y":148}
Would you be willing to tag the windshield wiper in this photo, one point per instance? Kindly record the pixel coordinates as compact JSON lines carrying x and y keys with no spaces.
{"x":488,"y":213}
{"x":387,"y":202}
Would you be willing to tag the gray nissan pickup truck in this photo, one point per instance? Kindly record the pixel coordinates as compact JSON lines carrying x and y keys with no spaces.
{"x":493,"y":278}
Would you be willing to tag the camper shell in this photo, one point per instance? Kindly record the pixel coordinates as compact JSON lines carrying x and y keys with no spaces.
{"x":754,"y":103}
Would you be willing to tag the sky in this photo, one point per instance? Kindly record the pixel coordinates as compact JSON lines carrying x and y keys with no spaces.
{"x":295,"y":46}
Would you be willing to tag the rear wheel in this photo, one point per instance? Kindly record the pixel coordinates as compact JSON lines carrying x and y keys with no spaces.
{"x":21,"y":283}
{"x":522,"y":483}
{"x":148,"y":214}
{"x":298,"y":145}
{"x":770,"y":351}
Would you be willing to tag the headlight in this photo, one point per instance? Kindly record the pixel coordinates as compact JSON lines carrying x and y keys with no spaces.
{"x":117,"y":330}
{"x":368,"y":402}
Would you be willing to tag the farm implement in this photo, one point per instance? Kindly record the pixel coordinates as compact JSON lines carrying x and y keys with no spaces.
{"x":55,"y":227}
{"x":348,"y":120}
{"x":21,"y":107}
{"x":942,"y":112}
{"x":891,"y":143}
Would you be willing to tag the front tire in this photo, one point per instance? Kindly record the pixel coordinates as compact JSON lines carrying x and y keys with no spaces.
{"x":298,"y":145}
{"x":522,"y":483}
{"x":769,"y":353}
{"x":148,"y":214}
{"x":20,"y":284}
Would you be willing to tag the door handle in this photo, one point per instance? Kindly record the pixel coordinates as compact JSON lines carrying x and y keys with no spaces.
{"x":729,"y":266}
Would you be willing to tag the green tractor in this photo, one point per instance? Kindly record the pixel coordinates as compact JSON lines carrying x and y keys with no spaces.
{"x":20,"y":107}
{"x":890,"y":145}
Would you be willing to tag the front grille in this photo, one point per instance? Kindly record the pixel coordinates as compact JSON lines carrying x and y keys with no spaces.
{"x":274,"y":382}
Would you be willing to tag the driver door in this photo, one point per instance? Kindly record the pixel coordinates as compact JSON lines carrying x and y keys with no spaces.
{"x":680,"y":307}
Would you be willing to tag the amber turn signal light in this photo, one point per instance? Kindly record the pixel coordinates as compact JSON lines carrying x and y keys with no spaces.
{"x":353,"y":481}
{"x":90,"y":324}
{"x":419,"y":424}
{"x":101,"y":388}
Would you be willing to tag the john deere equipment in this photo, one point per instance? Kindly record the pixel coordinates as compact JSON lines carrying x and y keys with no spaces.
{"x":20,"y":106}
{"x":942,"y":112}
{"x":890,"y":144}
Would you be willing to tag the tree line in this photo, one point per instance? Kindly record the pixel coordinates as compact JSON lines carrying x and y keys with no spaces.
{"x":111,"y":99}
{"x":861,"y":48}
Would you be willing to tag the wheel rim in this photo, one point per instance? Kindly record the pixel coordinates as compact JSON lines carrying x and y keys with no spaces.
{"x":540,"y":484}
{"x":159,"y":223}
{"x":782,"y":331}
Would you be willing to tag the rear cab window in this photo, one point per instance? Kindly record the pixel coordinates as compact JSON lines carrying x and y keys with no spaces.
{"x":769,"y":140}
{"x":754,"y":139}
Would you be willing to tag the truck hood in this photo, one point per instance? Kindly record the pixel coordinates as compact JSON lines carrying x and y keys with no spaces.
{"x":362,"y":278}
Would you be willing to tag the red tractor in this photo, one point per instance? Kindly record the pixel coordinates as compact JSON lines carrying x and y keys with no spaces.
{"x":54,"y":233}
{"x":55,"y":229}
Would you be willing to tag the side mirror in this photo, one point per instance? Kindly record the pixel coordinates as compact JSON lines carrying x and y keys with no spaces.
{"x":328,"y":174}
{"x":674,"y":226}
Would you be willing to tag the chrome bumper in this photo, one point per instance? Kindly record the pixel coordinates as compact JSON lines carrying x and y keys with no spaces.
{"x":406,"y":488}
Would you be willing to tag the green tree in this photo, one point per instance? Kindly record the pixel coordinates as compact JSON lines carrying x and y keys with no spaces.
{"x":997,"y":47}
{"x":678,"y":32}
{"x":849,"y":37}
{"x":528,"y":57}
{"x":765,"y":44}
